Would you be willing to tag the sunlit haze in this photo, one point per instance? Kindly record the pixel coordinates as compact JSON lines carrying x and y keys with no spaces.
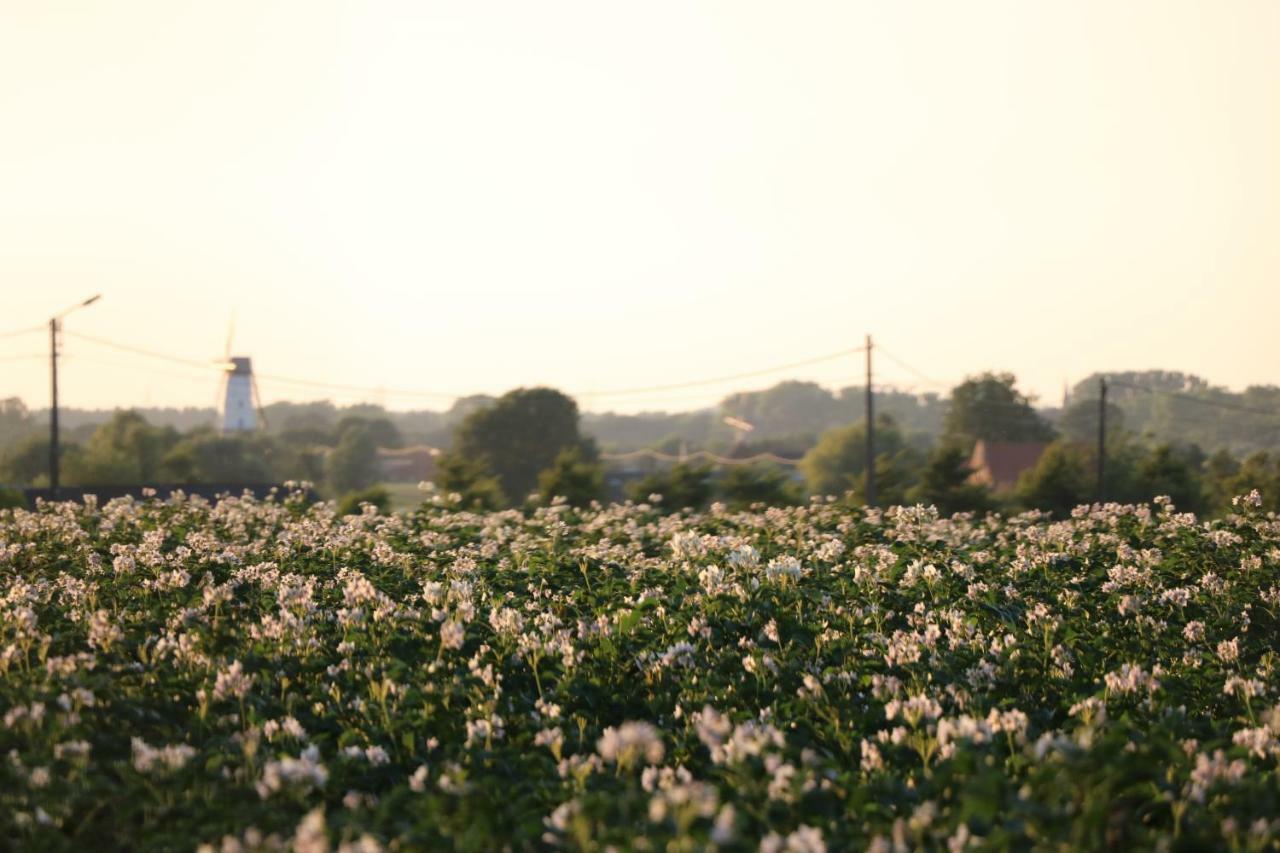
{"x":474,"y":196}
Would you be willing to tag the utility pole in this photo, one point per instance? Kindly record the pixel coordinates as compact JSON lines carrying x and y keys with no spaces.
{"x":1102,"y":438}
{"x":871,"y":434}
{"x":55,"y":326}
{"x":53,"y":410}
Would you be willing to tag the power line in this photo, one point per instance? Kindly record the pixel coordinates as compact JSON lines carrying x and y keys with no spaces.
{"x":364,"y":389}
{"x":116,"y":345}
{"x":722,"y":379}
{"x":217,"y":365}
{"x":403,"y":392}
{"x":151,"y":370}
{"x":1204,"y":401}
{"x":27,"y":331}
{"x":920,"y":374}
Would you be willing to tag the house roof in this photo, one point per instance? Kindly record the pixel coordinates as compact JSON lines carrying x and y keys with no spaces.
{"x":999,"y":464}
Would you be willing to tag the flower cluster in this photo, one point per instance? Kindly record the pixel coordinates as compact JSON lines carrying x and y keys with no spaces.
{"x":268,"y":675}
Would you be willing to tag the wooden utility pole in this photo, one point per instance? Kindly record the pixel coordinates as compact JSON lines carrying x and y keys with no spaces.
{"x":53,"y":410}
{"x":1102,"y":438}
{"x":871,"y":434}
{"x":55,"y":326}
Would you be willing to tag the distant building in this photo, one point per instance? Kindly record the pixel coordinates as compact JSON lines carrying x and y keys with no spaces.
{"x":408,"y":464}
{"x":999,"y":464}
{"x":238,"y":412}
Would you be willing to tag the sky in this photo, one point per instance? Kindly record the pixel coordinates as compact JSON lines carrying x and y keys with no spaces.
{"x":420,"y":199}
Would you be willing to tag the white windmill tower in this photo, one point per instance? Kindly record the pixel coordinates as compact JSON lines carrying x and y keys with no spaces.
{"x":239,"y":405}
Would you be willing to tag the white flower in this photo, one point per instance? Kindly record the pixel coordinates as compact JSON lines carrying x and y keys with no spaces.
{"x":169,"y":758}
{"x":232,"y":682}
{"x":304,"y":772}
{"x":311,"y":836}
{"x":806,"y":839}
{"x":452,"y":634}
{"x":630,"y":741}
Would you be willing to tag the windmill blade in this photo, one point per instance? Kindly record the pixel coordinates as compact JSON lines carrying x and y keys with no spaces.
{"x":231,"y":330}
{"x":220,"y":403}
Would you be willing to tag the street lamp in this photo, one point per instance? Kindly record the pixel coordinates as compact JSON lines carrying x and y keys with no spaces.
{"x":55,"y":326}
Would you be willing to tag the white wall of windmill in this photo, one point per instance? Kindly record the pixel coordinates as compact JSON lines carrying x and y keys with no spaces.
{"x":239,"y":414}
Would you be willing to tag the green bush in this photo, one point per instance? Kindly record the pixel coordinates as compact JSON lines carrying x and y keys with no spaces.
{"x":352,"y":503}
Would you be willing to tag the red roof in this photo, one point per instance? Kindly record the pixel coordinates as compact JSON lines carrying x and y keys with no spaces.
{"x":999,"y":464}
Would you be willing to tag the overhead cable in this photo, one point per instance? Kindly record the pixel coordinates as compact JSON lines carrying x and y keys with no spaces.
{"x":920,"y":374}
{"x":1190,"y":398}
{"x":722,"y":379}
{"x":13,"y":333}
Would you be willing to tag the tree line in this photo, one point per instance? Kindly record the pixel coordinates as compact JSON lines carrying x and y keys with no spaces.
{"x":534,"y":443}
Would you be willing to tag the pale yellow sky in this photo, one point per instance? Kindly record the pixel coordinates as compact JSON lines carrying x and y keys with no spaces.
{"x":473,"y":196}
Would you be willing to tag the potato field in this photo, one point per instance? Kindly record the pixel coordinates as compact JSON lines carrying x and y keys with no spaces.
{"x":266,"y":675}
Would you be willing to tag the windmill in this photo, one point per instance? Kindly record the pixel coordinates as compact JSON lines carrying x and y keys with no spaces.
{"x":240,"y":407}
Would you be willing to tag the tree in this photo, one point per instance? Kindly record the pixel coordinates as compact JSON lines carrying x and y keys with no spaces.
{"x":944,"y":483}
{"x":1259,"y":471}
{"x":206,"y":456}
{"x":682,"y":486}
{"x":126,"y":450}
{"x":27,"y":462}
{"x":1079,"y":422}
{"x":1166,"y":470}
{"x":352,"y":503}
{"x":15,"y":421}
{"x":1220,"y":471}
{"x":519,"y":436}
{"x":1061,"y":480}
{"x":788,"y":408}
{"x":471,"y":479}
{"x":383,"y":432}
{"x":758,"y":482}
{"x":575,"y":475}
{"x":837,"y":464}
{"x":990,"y":408}
{"x":353,"y":464}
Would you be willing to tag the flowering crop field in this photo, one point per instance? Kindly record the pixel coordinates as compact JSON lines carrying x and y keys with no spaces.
{"x":266,"y":675}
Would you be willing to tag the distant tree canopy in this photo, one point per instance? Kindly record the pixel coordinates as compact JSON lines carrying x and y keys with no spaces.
{"x":1184,"y":409}
{"x":758,"y":482}
{"x":1137,"y":471}
{"x":533,"y":439}
{"x":944,"y":483}
{"x":1060,"y":481}
{"x":805,"y":409}
{"x":125,"y":449}
{"x":381,"y":430}
{"x":1228,"y":479}
{"x":576,"y":475}
{"x":682,"y":486}
{"x":471,"y":480}
{"x":207,"y":456}
{"x":1079,"y":421}
{"x":837,"y":463}
{"x":26,"y":462}
{"x":353,"y":503}
{"x":988,"y":407}
{"x":787,"y":408}
{"x":519,"y":436}
{"x":15,"y":422}
{"x":352,"y":465}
